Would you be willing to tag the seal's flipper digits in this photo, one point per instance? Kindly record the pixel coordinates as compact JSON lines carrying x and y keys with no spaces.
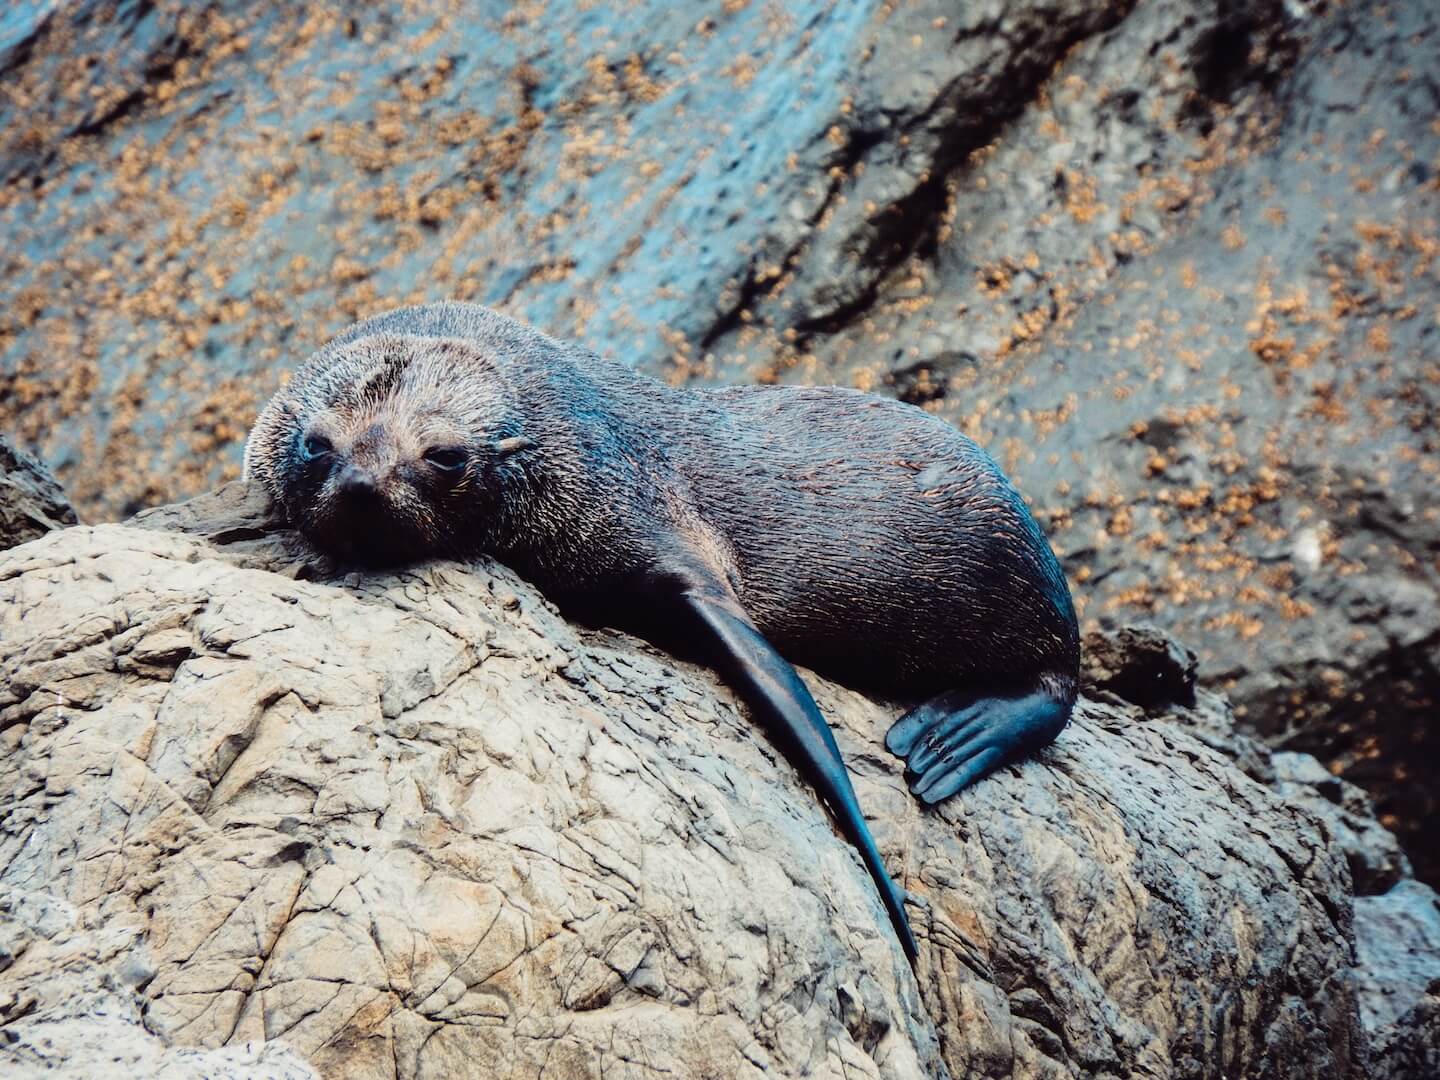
{"x":957,"y":738}
{"x":773,"y":689}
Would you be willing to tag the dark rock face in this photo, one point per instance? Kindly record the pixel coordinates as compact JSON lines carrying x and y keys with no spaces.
{"x":31,"y":502}
{"x":1173,"y":262}
{"x":1141,"y":665}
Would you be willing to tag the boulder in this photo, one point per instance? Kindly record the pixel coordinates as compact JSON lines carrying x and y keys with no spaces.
{"x":1397,"y":938}
{"x":415,"y":824}
{"x":31,"y":501}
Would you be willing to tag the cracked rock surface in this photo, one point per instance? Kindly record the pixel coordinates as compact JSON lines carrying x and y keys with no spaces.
{"x":31,"y":502}
{"x":417,"y":825}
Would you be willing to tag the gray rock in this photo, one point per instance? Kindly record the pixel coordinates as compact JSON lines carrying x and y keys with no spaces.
{"x":1376,"y":861}
{"x":1397,"y":943}
{"x":31,"y":502}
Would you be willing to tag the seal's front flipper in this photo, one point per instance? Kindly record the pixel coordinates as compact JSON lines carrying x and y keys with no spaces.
{"x":774,"y":691}
{"x":955,"y":739}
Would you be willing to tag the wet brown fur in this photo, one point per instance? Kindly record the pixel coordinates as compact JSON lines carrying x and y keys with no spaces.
{"x":863,"y":536}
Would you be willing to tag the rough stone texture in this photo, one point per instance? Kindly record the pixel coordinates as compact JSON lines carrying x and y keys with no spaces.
{"x":414,"y":824}
{"x":1139,"y":664}
{"x":70,"y":1006}
{"x":1174,"y":261}
{"x":31,"y":502}
{"x":1376,"y":861}
{"x":1397,"y":939}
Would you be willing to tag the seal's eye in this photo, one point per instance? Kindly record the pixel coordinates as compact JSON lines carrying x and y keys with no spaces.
{"x":316,"y":446}
{"x":447,"y":458}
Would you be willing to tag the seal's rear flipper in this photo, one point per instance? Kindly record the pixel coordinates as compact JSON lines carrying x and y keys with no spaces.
{"x":775,"y":692}
{"x":953,"y":740}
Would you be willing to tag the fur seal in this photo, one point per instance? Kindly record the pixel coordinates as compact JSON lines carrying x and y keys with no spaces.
{"x":854,"y":534}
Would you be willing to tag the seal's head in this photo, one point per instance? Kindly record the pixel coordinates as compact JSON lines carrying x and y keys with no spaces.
{"x":389,"y":448}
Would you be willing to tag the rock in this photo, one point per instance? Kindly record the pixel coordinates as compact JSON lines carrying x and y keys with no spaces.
{"x":1406,"y":1049}
{"x":70,"y":1005}
{"x":1397,"y":940}
{"x":1144,"y":666}
{"x":414,"y":824}
{"x":1376,"y":861}
{"x":31,"y":502}
{"x":1139,"y":664}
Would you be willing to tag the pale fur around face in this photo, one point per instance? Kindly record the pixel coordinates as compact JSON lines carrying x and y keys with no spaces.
{"x":381,"y":402}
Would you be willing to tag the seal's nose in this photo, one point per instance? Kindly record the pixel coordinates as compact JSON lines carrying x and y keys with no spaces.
{"x":355,"y":483}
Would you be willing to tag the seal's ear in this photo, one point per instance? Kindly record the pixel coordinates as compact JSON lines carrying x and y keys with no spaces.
{"x":506,"y":447}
